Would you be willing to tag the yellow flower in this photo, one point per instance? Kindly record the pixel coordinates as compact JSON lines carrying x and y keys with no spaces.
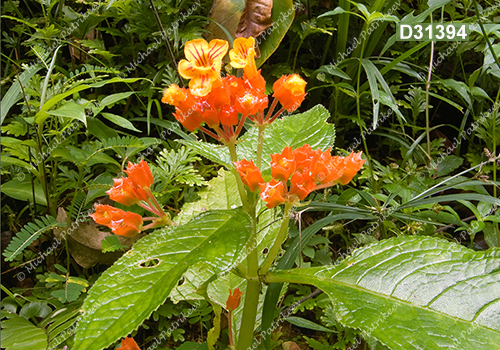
{"x":242,"y":56}
{"x":203,"y":64}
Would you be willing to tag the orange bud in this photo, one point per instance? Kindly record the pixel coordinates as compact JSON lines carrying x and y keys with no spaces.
{"x":250,"y":103}
{"x":128,"y":226}
{"x":104,"y":214}
{"x":302,"y":184}
{"x":283,"y":165}
{"x":233,"y":301}
{"x":353,"y":164}
{"x":249,"y":173}
{"x":124,"y":192}
{"x":290,"y":91}
{"x":140,"y":174}
{"x":272,"y":193}
{"x":123,"y":223}
{"x":129,"y":344}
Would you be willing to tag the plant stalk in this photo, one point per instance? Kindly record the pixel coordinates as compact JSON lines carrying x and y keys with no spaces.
{"x":279,"y":240}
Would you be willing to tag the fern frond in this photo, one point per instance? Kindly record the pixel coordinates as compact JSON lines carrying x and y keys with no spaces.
{"x":28,"y":234}
{"x":78,"y":206}
{"x":115,"y":142}
{"x":176,"y":167}
{"x":95,"y":73}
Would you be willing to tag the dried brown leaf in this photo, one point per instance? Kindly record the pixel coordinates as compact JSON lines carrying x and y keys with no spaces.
{"x":255,"y":19}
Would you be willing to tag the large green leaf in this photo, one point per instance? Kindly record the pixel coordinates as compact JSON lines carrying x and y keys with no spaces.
{"x":128,"y":292}
{"x":20,"y":334}
{"x":23,"y":190}
{"x":414,"y":293}
{"x":295,"y":130}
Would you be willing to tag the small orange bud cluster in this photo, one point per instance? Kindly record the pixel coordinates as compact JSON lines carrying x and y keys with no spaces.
{"x":223,"y":104}
{"x":306,"y":169}
{"x":134,"y":189}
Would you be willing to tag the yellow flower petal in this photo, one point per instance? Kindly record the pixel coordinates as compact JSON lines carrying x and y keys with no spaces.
{"x":203,"y":64}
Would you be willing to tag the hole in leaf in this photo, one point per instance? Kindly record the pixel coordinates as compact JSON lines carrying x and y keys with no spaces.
{"x":151,"y":262}
{"x":265,"y":250}
{"x":181,"y":281}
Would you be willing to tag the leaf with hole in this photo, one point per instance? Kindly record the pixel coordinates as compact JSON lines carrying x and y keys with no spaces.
{"x":129,"y":291}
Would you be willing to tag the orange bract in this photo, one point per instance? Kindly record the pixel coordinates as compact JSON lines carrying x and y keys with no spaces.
{"x":233,"y":301}
{"x":123,"y":223}
{"x":124,"y":192}
{"x":283,"y":165}
{"x":129,"y":344}
{"x":129,"y":225}
{"x":302,"y":184}
{"x":272,"y":193}
{"x":353,"y":164}
{"x":203,"y":64}
{"x":290,"y":91}
{"x":104,"y":214}
{"x":249,"y":173}
{"x":140,"y":174}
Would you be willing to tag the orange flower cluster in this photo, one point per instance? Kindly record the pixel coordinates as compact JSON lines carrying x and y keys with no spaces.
{"x":223,"y":104}
{"x":134,"y":189}
{"x":306,"y":169}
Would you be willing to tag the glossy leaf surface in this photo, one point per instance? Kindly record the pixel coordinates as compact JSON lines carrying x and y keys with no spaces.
{"x":140,"y":281}
{"x":414,"y":293}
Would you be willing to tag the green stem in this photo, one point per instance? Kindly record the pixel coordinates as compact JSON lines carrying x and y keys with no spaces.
{"x":279,"y":240}
{"x":260,"y":144}
{"x":358,"y":108}
{"x":250,"y":307}
{"x":427,"y":123}
{"x":241,"y":187}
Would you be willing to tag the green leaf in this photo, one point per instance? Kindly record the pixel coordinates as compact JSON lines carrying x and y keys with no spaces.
{"x":460,"y":88}
{"x":14,"y":93}
{"x":71,"y":110}
{"x":414,"y":292}
{"x":20,"y":334}
{"x":110,"y":244}
{"x":448,"y":164}
{"x":303,"y":323}
{"x":28,"y":234}
{"x":42,"y":114}
{"x":190,"y":345}
{"x":120,"y":121}
{"x":110,"y":100}
{"x":69,"y":293}
{"x":295,"y":130}
{"x":140,"y":281}
{"x":283,"y":13}
{"x":22,"y":190}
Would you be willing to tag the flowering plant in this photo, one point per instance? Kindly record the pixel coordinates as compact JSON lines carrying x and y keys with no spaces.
{"x":271,"y":165}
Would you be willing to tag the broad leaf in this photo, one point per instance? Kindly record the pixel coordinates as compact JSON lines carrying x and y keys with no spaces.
{"x":294,"y":130}
{"x":140,"y":281}
{"x":23,"y":190}
{"x":71,"y":110}
{"x":414,"y":293}
{"x":20,"y":334}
